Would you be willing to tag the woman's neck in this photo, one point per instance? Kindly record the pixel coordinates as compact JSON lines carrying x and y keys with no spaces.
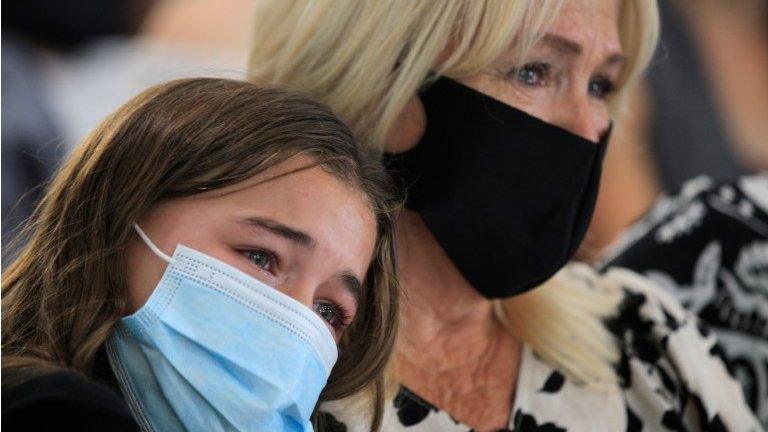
{"x":452,"y":351}
{"x":440,"y":305}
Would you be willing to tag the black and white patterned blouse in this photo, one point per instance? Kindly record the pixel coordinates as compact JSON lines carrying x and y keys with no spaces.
{"x":708,"y":247}
{"x":672,"y":378}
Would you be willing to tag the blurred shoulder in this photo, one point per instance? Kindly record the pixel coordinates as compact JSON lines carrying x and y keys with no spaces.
{"x":685,"y":224}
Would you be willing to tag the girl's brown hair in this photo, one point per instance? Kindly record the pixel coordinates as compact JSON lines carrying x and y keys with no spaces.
{"x":66,"y":290}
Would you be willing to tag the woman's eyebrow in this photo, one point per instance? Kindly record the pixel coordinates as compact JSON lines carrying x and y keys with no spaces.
{"x":616,"y":59}
{"x":292,"y":234}
{"x":571,"y":48}
{"x":561,"y":44}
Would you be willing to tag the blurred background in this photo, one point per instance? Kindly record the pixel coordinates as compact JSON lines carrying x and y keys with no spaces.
{"x":67,"y":64}
{"x":703,"y":108}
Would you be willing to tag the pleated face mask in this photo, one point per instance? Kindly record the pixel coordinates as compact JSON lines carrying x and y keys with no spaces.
{"x":214,"y":349}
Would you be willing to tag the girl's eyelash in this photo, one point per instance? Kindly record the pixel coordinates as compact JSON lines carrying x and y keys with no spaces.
{"x":267,"y":261}
{"x":343,"y":318}
{"x":254,"y":254}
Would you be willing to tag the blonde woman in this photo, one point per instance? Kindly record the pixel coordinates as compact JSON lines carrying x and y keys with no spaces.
{"x":495,"y":115}
{"x":216,"y":256}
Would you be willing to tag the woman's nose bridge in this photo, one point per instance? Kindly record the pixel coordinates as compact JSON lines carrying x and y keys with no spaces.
{"x":586,"y":123}
{"x":579,"y":116}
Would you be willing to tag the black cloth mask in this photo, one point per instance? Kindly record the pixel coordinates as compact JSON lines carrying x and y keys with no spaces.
{"x":507,"y":195}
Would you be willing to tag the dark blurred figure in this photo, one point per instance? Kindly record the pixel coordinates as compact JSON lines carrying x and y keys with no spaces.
{"x":703,"y":110}
{"x":31,"y":139}
{"x":29,"y":144}
{"x":708,"y":93}
{"x":69,"y":24}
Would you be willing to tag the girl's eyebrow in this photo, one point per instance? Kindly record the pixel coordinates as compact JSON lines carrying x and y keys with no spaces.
{"x":352,"y":284}
{"x":292,"y":234}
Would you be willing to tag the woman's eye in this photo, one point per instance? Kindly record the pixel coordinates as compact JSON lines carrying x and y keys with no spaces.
{"x":601,"y":87}
{"x":532,"y":74}
{"x":332,"y":314}
{"x":261,"y":258}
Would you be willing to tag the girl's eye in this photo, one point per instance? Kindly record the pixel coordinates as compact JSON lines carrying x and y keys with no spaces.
{"x":261,"y":258}
{"x":531,"y":74}
{"x":333,"y":314}
{"x":601,"y":87}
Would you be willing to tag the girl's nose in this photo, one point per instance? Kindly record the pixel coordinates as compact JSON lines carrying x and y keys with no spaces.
{"x":301,"y":291}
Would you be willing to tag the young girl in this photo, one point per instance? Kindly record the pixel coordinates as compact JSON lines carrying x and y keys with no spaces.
{"x":202,"y":262}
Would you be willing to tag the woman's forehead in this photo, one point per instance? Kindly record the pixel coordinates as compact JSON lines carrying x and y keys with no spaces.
{"x":587,"y":16}
{"x":590,"y":25}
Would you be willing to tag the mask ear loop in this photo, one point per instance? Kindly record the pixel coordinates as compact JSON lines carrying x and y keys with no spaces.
{"x":156,"y":250}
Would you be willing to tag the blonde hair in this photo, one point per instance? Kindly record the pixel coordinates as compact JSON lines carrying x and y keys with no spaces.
{"x":367,"y":58}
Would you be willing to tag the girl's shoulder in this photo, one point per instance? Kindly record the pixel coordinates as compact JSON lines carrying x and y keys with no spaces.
{"x":61,"y":400}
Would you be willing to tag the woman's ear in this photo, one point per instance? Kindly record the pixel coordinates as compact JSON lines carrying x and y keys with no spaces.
{"x":408,"y":128}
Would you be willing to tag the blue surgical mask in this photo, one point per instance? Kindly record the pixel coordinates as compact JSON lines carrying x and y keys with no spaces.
{"x":214,"y":349}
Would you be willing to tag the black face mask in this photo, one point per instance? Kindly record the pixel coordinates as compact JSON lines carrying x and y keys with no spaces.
{"x":508,"y":196}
